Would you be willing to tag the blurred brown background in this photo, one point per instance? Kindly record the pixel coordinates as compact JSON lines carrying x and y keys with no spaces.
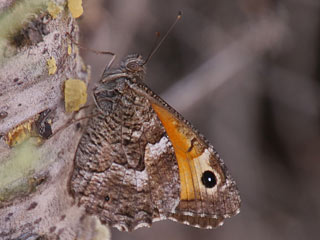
{"x":246,"y":73}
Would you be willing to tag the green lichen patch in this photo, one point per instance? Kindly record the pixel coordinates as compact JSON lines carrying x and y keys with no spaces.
{"x":17,"y":173}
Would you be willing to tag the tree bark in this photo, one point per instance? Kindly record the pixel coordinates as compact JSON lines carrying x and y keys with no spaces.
{"x":36,"y":58}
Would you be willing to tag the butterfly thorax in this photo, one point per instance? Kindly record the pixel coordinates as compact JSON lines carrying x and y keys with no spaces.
{"x":114,"y":80}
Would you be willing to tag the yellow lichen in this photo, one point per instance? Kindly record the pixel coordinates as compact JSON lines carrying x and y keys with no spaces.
{"x":69,"y":49}
{"x":75,"y":94}
{"x":20,"y":133}
{"x":54,"y":9}
{"x":75,"y":7}
{"x":52,"y":67}
{"x":29,"y":128}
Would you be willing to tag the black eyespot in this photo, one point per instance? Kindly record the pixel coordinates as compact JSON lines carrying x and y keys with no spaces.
{"x":208,"y":179}
{"x":107,"y":198}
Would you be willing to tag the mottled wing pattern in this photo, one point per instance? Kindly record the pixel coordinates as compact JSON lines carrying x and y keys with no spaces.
{"x":201,"y":204}
{"x":125,"y":168}
{"x":140,"y":161}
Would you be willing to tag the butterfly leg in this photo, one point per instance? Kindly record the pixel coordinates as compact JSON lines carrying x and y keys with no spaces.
{"x":73,"y":120}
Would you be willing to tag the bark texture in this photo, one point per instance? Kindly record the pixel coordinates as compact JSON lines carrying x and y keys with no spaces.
{"x":36,"y":58}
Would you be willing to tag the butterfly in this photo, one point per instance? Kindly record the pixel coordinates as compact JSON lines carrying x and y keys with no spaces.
{"x":139,"y":161}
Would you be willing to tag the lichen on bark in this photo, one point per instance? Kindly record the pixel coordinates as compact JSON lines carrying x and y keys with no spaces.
{"x":34,"y":197}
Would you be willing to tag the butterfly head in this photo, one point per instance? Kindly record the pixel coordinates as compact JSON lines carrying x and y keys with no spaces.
{"x":134,"y":66}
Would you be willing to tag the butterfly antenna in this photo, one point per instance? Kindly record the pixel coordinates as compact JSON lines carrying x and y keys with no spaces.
{"x":94,"y":51}
{"x":86,"y":48}
{"x":158,"y":43}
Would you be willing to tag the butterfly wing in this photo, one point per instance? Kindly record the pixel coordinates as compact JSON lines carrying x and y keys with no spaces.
{"x":139,"y":161}
{"x":208,"y":194}
{"x":125,"y":168}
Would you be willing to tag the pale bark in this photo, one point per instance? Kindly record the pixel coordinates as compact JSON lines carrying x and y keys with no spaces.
{"x":34,"y":199}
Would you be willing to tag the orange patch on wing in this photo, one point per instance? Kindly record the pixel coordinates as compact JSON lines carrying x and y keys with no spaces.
{"x":181,"y":137}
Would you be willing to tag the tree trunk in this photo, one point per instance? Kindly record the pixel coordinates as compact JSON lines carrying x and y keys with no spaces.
{"x":36,"y":57}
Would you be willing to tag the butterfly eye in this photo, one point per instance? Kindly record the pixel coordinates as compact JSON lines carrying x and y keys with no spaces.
{"x":208,"y":179}
{"x":107,"y":198}
{"x":133,"y":66}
